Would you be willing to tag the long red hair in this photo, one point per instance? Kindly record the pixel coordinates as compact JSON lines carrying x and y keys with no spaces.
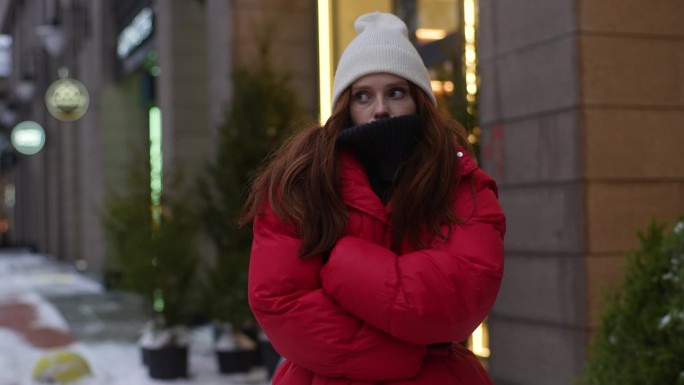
{"x":301,"y":181}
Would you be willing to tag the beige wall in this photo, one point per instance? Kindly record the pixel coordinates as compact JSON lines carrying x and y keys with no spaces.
{"x":582,"y":108}
{"x":631,"y":61}
{"x":295,"y":41}
{"x":531,"y":142}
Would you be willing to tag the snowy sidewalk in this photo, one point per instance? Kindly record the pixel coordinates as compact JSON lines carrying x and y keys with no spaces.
{"x":20,"y":313}
{"x":31,"y":326}
{"x":24,"y":278}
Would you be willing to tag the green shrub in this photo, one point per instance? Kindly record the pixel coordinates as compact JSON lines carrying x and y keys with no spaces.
{"x":263,"y":111}
{"x":640,"y":340}
{"x":157,"y":259}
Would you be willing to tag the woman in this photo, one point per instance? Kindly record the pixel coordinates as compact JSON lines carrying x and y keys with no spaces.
{"x":378,"y":242}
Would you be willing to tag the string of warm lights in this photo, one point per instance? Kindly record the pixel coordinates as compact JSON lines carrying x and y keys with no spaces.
{"x":470,"y":61}
{"x":470,"y":53}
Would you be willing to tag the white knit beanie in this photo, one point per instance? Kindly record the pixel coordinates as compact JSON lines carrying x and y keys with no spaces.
{"x":381,"y":45}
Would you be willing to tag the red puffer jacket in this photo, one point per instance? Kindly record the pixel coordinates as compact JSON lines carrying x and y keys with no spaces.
{"x":368,"y":315}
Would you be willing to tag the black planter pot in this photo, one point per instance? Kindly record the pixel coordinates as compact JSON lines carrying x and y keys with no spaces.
{"x":167,"y":363}
{"x":255,"y":358}
{"x":144,"y":354}
{"x":269,"y":357}
{"x":234,"y":361}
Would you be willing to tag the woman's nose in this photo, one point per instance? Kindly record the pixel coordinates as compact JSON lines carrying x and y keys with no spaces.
{"x":380,"y":111}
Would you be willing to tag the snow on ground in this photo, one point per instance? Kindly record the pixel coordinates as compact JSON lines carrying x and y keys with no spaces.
{"x":34,"y":279}
{"x":112,"y":363}
{"x":21,"y":271}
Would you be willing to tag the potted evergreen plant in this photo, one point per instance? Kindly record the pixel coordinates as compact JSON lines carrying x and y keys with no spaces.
{"x":262,"y":112}
{"x":640,"y":338}
{"x":152,"y":245}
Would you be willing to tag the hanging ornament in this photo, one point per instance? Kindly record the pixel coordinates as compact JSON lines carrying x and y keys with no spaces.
{"x":67,"y":99}
{"x":28,"y":137}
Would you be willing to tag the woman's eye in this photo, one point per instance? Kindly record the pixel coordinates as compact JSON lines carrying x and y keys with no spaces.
{"x":397,"y":93}
{"x":361,"y":96}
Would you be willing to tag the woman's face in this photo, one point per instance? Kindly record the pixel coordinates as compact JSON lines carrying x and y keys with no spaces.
{"x":379,"y":96}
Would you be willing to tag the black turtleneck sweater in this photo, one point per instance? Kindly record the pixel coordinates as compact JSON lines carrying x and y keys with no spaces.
{"x":383,"y":146}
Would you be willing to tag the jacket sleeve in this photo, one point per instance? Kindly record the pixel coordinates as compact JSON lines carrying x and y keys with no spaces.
{"x":431,"y":295}
{"x":305,"y":325}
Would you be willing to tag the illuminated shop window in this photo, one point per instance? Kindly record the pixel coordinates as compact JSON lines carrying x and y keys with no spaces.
{"x":446,"y":38}
{"x":478,"y":342}
{"x":436,"y":19}
{"x":325,"y":66}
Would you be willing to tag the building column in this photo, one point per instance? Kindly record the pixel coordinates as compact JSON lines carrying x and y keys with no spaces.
{"x":582,"y":106}
{"x":182,"y":85}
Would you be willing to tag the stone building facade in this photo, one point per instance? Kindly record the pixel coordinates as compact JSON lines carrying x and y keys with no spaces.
{"x":582,"y":108}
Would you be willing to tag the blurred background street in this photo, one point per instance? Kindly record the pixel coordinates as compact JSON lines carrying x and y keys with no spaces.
{"x":130,"y":128}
